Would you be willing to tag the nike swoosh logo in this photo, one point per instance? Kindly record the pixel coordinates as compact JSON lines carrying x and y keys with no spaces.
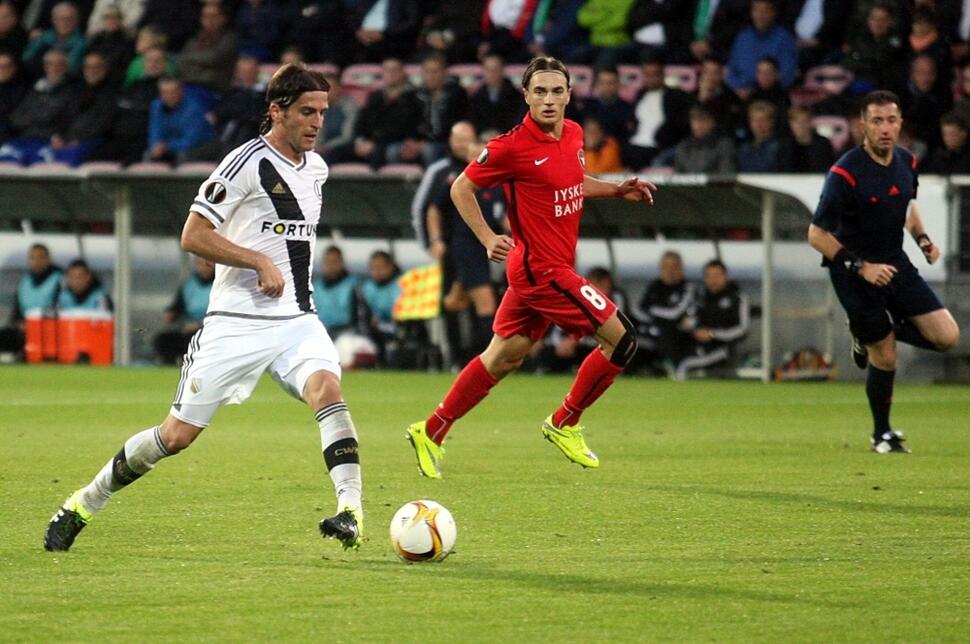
{"x":541,"y":161}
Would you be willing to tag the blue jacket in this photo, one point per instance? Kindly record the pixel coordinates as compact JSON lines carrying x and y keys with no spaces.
{"x":37,"y":292}
{"x":336,"y":302}
{"x":93,"y":299}
{"x":192,"y":299}
{"x":750,"y":46}
{"x":182,"y":128}
{"x":380,"y":299}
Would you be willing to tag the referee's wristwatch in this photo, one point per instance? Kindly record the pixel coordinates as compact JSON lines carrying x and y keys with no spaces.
{"x":849,"y":260}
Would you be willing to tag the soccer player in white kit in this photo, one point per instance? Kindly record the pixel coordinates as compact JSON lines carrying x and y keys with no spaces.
{"x":255,"y":217}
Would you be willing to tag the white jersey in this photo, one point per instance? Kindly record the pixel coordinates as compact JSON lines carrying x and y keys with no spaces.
{"x":260,"y":200}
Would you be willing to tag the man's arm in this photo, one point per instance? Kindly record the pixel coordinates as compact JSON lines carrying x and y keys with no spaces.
{"x":825,"y":242}
{"x":200,"y":238}
{"x":632,"y":189}
{"x":463,"y":195}
{"x":436,"y":244}
{"x":914,"y":224}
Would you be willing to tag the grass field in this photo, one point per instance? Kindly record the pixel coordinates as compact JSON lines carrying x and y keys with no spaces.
{"x":723,"y":511}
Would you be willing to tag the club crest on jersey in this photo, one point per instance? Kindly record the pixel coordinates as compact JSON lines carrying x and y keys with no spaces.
{"x":483,"y":157}
{"x":318,"y":188}
{"x":215,"y":191}
{"x":581,"y":156}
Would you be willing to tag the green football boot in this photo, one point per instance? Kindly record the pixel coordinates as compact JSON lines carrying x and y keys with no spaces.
{"x":428,"y":452}
{"x":569,"y":440}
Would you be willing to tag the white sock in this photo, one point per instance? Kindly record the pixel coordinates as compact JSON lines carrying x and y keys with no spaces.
{"x":338,"y":438}
{"x":137,"y":457}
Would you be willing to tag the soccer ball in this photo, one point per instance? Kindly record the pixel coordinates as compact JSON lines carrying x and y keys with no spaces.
{"x":423,"y":531}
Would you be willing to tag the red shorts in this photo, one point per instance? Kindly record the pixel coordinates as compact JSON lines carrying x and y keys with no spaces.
{"x":567,"y":300}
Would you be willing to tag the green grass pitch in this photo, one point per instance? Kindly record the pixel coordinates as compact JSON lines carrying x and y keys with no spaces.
{"x":723,"y":511}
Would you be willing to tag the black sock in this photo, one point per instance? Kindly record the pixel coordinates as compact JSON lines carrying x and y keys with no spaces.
{"x":879,"y":389}
{"x":907,"y":332}
{"x":483,"y":332}
{"x":453,"y":337}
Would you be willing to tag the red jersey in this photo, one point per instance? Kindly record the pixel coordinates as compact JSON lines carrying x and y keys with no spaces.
{"x":543,"y":182}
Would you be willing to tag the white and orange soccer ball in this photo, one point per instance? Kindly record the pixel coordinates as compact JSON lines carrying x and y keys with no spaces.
{"x":423,"y":531}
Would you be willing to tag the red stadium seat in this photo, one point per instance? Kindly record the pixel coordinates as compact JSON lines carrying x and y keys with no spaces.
{"x":196,"y":167}
{"x":581,"y":79}
{"x":100,"y":166}
{"x":406,"y":170}
{"x":351,"y":170}
{"x":682,"y":77}
{"x":149,"y":167}
{"x":413,"y":74}
{"x":468,"y":74}
{"x":46,"y":168}
{"x":630,"y":80}
{"x":834,"y":128}
{"x":358,"y":81}
{"x":831,"y":79}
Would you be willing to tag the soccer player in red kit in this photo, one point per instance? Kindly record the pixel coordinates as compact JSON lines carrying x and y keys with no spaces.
{"x":540,"y":163}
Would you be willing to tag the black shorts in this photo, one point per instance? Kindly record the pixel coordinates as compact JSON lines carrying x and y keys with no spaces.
{"x":469,"y":263}
{"x":872,"y":309}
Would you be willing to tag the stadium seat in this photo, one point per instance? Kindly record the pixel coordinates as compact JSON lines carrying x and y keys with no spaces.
{"x":351,"y":170}
{"x":406,"y":170}
{"x":831,"y":79}
{"x":682,"y":77}
{"x":196,"y":168}
{"x":149,"y":167}
{"x":514,"y":74}
{"x":49,"y":167}
{"x":100,"y":166}
{"x":630,"y":80}
{"x":834,"y":128}
{"x":357,"y":81}
{"x":581,"y":79}
{"x":468,"y":74}
{"x":413,"y":74}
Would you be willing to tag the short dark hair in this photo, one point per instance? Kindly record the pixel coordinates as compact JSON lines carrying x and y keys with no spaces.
{"x":287,"y":85}
{"x":607,"y":69}
{"x":715,"y":263}
{"x":543,"y":64}
{"x":435,"y":56}
{"x":38,"y":245}
{"x":599,"y":273}
{"x":333,"y":248}
{"x":701,"y":110}
{"x":878,"y":97}
{"x":79,"y":263}
{"x":770,"y":60}
{"x":672,"y":254}
{"x":954,"y":117}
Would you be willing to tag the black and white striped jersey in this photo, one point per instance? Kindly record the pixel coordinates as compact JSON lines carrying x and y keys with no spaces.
{"x":258,"y":199}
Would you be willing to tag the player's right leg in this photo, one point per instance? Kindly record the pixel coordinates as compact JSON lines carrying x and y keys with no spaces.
{"x":136,"y":458}
{"x":879,"y":391}
{"x":474,"y":382}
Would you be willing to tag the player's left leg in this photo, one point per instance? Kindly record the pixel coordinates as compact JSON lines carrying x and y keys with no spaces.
{"x":919,"y":318}
{"x":938,"y":328}
{"x":341,"y":453}
{"x":880,"y":377}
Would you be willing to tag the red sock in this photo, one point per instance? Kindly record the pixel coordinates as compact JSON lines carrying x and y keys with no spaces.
{"x":470,"y":387}
{"x":594,"y":377}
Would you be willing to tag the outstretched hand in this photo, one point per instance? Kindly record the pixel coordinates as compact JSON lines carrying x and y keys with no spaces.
{"x":636,"y":189}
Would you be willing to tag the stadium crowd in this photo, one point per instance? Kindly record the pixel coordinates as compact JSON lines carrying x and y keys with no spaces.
{"x":688,"y":85}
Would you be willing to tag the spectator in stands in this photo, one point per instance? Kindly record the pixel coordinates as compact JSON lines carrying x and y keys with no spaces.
{"x":962,"y":103}
{"x":83,"y":290}
{"x":804,"y":149}
{"x":953,"y":157}
{"x":454,"y":29}
{"x":442,"y":103}
{"x":258,"y":27}
{"x":663,"y":25}
{"x":237,"y":115}
{"x":177,"y":19}
{"x":38,"y":289}
{"x":764,"y":38}
{"x":176,"y":124}
{"x":497,"y":104}
{"x":760,"y":152}
{"x":208,"y":58}
{"x":384,"y":28}
{"x":767,"y":86}
{"x":661,"y":114}
{"x":608,"y":107}
{"x":65,"y":35}
{"x":601,"y":151}
{"x":505,"y":24}
{"x":46,"y":111}
{"x":96,"y":102}
{"x":185,"y":314}
{"x":13,"y":37}
{"x":379,"y":293}
{"x":319,"y":29}
{"x":819,"y":29}
{"x":875,"y":55}
{"x":955,"y":18}
{"x":128,"y":137}
{"x":925,"y":40}
{"x":110,"y":39}
{"x":609,"y":42}
{"x":338,"y":128}
{"x":148,"y":38}
{"x":923,"y":106}
{"x":335,"y":294}
{"x":291,"y":55}
{"x":130,"y":11}
{"x":388,"y":118}
{"x":564,"y":352}
{"x":12,"y":91}
{"x":714,"y":26}
{"x":706,"y":150}
{"x":663,"y":307}
{"x":714,"y":94}
{"x":554,"y":31}
{"x":719,"y":320}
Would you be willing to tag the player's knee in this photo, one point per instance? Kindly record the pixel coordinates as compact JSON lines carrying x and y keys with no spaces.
{"x":626,"y":347}
{"x":948,"y":339}
{"x":177,"y":436}
{"x":883,"y":356}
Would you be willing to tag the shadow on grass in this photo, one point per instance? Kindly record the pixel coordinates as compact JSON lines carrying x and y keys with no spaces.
{"x":957,"y":512}
{"x":592,"y":585}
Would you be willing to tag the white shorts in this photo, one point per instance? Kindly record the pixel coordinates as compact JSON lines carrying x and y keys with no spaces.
{"x":227,"y":356}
